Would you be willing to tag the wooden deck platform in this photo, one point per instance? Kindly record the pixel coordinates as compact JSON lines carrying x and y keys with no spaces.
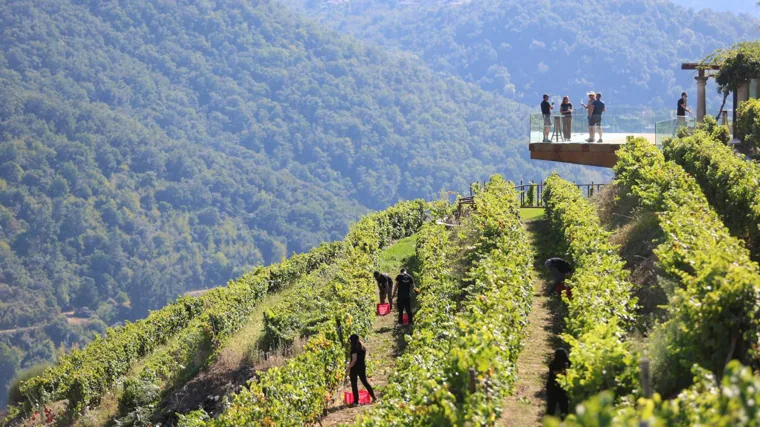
{"x":584,"y":153}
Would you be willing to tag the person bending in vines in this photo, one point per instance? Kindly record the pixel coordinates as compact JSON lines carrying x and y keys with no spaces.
{"x":555,"y":394}
{"x":404,"y":287}
{"x":384,"y":286}
{"x":357,"y":368}
{"x":560,"y":270}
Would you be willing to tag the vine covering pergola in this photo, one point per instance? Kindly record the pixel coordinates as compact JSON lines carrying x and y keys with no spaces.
{"x":735,"y":67}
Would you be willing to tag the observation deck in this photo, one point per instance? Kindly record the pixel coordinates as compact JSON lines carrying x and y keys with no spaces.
{"x":568,"y":136}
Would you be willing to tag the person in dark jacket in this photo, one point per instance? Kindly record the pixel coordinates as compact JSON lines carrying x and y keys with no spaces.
{"x":384,"y":286}
{"x":560,"y":270}
{"x":357,"y":368}
{"x":404,"y":287}
{"x":556,"y":395}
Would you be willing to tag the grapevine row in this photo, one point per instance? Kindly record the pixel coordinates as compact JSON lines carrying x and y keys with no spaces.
{"x":296,"y":393}
{"x":731,"y":402}
{"x":84,"y":376}
{"x":601,"y":307}
{"x":432,"y":383}
{"x":713,"y":313}
{"x":731,"y":184}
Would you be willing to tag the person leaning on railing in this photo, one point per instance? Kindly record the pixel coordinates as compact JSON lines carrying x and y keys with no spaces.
{"x":566,"y":109}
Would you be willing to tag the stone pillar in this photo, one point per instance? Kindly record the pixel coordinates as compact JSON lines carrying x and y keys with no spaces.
{"x":701,"y":95}
{"x":742,"y":94}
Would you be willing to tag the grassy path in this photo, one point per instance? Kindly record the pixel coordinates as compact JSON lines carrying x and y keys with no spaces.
{"x":528,"y":405}
{"x":384,"y":344}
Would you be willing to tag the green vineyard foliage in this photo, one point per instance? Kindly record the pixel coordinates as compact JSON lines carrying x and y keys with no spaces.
{"x":84,"y":376}
{"x":713,"y":312}
{"x":601,"y":308}
{"x":297,"y":393}
{"x":732,"y":402}
{"x":431,"y":383}
{"x":731,"y":184}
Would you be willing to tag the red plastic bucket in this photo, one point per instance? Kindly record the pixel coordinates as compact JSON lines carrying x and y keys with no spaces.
{"x":383,"y":309}
{"x":404,"y":319}
{"x":364,"y":398}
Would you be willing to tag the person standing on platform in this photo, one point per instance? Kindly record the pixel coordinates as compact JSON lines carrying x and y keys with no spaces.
{"x":590,"y":108}
{"x":546,"y":112}
{"x":566,"y":109}
{"x":599,"y":108}
{"x":682,"y":109}
{"x":404,"y":287}
{"x":384,"y":286}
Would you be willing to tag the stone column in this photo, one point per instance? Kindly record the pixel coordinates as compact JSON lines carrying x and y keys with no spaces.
{"x":742,"y":93}
{"x":701,"y":95}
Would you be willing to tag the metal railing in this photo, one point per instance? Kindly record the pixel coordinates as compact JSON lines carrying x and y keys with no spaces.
{"x":575,"y":128}
{"x":537,"y":200}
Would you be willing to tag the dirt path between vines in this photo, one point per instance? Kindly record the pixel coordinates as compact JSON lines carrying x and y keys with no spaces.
{"x":384,"y":344}
{"x":528,"y":405}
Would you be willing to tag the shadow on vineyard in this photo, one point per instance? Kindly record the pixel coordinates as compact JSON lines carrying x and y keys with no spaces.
{"x":527,"y":405}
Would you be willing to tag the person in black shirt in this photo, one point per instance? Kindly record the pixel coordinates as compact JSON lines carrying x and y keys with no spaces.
{"x":384,"y":286}
{"x":546,"y":111}
{"x":404,"y":286}
{"x":682,"y":110}
{"x":566,"y":109}
{"x":555,"y":394}
{"x":357,"y":368}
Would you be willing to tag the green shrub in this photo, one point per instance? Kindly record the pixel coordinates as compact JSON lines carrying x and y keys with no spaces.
{"x":14,"y":393}
{"x":531,"y":196}
{"x":747,"y":126}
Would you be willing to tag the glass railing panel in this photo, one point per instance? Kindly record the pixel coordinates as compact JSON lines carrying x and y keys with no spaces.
{"x":665,"y":129}
{"x":575,"y":128}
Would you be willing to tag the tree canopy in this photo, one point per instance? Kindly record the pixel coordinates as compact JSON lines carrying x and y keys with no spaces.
{"x":150,"y":148}
{"x":629,"y":49}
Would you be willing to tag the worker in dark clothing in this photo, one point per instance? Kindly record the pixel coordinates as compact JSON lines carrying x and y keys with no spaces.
{"x":384,"y":286}
{"x":404,"y":286}
{"x":560,"y":269}
{"x":357,"y":368}
{"x":555,"y":394}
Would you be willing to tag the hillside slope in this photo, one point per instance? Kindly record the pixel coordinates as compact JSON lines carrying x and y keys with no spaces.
{"x":149,"y":148}
{"x":629,"y":49}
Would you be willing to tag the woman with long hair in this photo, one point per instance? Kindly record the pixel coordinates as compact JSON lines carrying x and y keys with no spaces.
{"x":566,"y":109}
{"x":357,"y":368}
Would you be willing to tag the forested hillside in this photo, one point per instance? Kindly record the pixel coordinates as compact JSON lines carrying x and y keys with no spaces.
{"x":631,"y":50}
{"x":149,"y":148}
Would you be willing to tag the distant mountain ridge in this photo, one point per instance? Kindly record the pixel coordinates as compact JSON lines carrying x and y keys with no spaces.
{"x":630,"y":50}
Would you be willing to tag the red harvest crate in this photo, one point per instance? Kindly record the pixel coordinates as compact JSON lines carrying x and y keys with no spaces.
{"x":404,"y":319}
{"x":364,"y":399}
{"x":383,"y":309}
